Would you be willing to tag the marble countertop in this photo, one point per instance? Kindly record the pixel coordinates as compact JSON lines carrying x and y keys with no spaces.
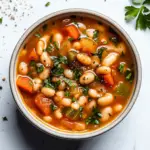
{"x":133,"y":133}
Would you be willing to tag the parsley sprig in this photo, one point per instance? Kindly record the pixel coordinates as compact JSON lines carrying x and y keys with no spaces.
{"x":141,"y":14}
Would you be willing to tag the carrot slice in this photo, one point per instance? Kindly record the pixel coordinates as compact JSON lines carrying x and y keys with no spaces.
{"x":43,"y":103}
{"x":72,"y":31}
{"x":33,"y":55}
{"x":109,"y":79}
{"x":25,"y":84}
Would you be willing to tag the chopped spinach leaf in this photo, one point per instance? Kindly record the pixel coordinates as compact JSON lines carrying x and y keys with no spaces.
{"x":49,"y":84}
{"x":50,"y":48}
{"x":53,"y":107}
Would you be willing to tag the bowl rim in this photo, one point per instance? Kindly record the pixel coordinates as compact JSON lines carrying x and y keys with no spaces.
{"x":72,"y":135}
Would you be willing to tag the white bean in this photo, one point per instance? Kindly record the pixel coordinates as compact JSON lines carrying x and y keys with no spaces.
{"x":95,"y":62}
{"x":80,"y":126}
{"x":42,"y":44}
{"x":46,"y":60}
{"x":48,"y":119}
{"x":103,"y":70}
{"x":77,"y":45}
{"x":23,"y":68}
{"x":110,"y":59}
{"x":81,"y":26}
{"x":90,"y":32}
{"x":93,"y":93}
{"x":68,"y":73}
{"x":58,"y":114}
{"x":82,"y":100}
{"x":49,"y":92}
{"x":107,"y":99}
{"x":84,"y":59}
{"x":89,"y":107}
{"x":75,"y":106}
{"x":60,"y":94}
{"x":66,"y":102}
{"x":62,"y":85}
{"x":45,"y":74}
{"x":37,"y":84}
{"x":87,"y":78}
{"x":58,"y":37}
{"x":117,"y":108}
{"x":106,"y":112}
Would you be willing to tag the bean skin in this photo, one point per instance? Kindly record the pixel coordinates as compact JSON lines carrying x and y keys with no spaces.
{"x":45,"y":74}
{"x":87,"y":78}
{"x":23,"y":68}
{"x":106,"y":112}
{"x":105,"y":100}
{"x":49,"y":92}
{"x":46,"y":60}
{"x":103,"y":70}
{"x":84,"y":59}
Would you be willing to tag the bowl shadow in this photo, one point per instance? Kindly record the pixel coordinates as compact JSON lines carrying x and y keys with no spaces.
{"x":38,"y":140}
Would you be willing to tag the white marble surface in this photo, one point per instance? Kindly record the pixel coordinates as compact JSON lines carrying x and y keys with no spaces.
{"x":17,"y":134}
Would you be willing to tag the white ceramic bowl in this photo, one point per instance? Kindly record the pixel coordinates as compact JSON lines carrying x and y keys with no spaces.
{"x":50,"y":129}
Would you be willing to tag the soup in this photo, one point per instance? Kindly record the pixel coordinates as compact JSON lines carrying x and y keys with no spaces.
{"x":75,"y":74}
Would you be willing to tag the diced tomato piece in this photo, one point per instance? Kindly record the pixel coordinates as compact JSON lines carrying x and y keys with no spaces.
{"x":33,"y":55}
{"x":109,"y":79}
{"x":72,"y":31}
{"x":43,"y":103}
{"x":25,"y":83}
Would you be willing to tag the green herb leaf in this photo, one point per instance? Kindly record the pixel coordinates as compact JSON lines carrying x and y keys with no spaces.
{"x":57,"y":71}
{"x":114,"y":39}
{"x":129,"y":75}
{"x":95,"y":35}
{"x":50,"y":48}
{"x":56,"y":45}
{"x":47,"y":4}
{"x":100,"y":52}
{"x":85,"y":90}
{"x":143,"y":20}
{"x":70,"y":39}
{"x":146,"y":2}
{"x":49,"y":84}
{"x":137,"y":2}
{"x":32,"y":63}
{"x":121,"y":67}
{"x":67,"y":81}
{"x":74,"y":99}
{"x":1,"y":20}
{"x":38,"y":35}
{"x":53,"y":107}
{"x":60,"y":60}
{"x":40,"y":69}
{"x":67,"y":93}
{"x":94,"y":118}
{"x":131,"y":12}
{"x":77,"y":73}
